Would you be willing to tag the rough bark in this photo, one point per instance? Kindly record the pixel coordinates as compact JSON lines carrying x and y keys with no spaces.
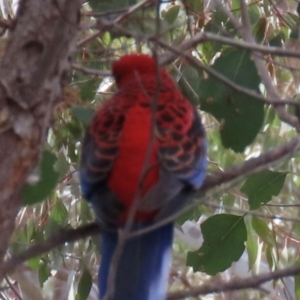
{"x":33,"y":70}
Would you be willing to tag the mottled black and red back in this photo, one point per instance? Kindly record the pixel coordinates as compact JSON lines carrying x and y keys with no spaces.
{"x":119,"y":137}
{"x":147,"y":143}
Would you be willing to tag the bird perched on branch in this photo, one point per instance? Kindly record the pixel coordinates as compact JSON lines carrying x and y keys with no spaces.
{"x":144,"y":155}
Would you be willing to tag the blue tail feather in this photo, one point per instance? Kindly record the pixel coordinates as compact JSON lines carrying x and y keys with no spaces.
{"x":144,"y":265}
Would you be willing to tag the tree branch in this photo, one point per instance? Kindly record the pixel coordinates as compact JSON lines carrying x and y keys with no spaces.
{"x":235,"y":284}
{"x":32,"y":74}
{"x":245,"y":31}
{"x":91,"y":72}
{"x":215,"y":180}
{"x":63,"y":236}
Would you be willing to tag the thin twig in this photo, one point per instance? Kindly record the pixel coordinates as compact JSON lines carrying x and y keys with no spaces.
{"x":249,"y":212}
{"x":92,"y":72}
{"x":254,"y":95}
{"x":202,"y":37}
{"x":211,"y":183}
{"x":250,"y":282}
{"x":63,"y":236}
{"x":245,"y":32}
{"x":233,"y":174}
{"x":175,"y":52}
{"x":128,"y":12}
{"x":12,"y":288}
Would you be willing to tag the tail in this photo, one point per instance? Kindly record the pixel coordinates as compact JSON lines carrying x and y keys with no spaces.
{"x":143,"y":268}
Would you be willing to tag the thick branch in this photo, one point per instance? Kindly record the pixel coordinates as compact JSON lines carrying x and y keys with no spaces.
{"x":255,"y":164}
{"x":235,"y":284}
{"x":32,"y":73}
{"x":63,"y":236}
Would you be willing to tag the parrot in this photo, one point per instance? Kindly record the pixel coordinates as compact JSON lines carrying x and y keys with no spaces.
{"x":146,"y":142}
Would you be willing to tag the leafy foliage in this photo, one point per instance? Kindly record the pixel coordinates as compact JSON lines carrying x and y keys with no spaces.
{"x":84,"y":285}
{"x":262,"y":186}
{"x":241,"y":116}
{"x":35,"y":193}
{"x":224,"y":242}
{"x":244,"y":223}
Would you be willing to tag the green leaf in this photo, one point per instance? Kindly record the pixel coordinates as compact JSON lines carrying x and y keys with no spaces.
{"x":30,"y":229}
{"x":83,"y":114}
{"x":59,"y":213}
{"x":278,"y":40}
{"x":88,"y":88}
{"x":85,"y":212}
{"x":84,"y":286}
{"x":171,"y":14}
{"x":189,"y":84}
{"x":252,"y":242}
{"x":43,"y":272}
{"x":260,"y":187}
{"x":263,"y":231}
{"x":62,"y":166}
{"x":297,"y":281}
{"x":254,"y":13}
{"x":57,"y":219}
{"x":34,"y":193}
{"x":194,"y":6}
{"x":219,"y":23}
{"x":224,"y":242}
{"x":241,"y":116}
{"x":269,"y":256}
{"x":143,"y":22}
{"x":260,"y":30}
{"x":106,"y":38}
{"x":34,"y":263}
{"x":188,"y":215}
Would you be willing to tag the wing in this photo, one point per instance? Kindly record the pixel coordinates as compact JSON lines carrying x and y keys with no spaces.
{"x":182,"y":142}
{"x":182,"y":156}
{"x":99,"y":150}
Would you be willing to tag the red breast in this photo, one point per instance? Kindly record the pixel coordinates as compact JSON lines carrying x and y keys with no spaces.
{"x":125,"y":177}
